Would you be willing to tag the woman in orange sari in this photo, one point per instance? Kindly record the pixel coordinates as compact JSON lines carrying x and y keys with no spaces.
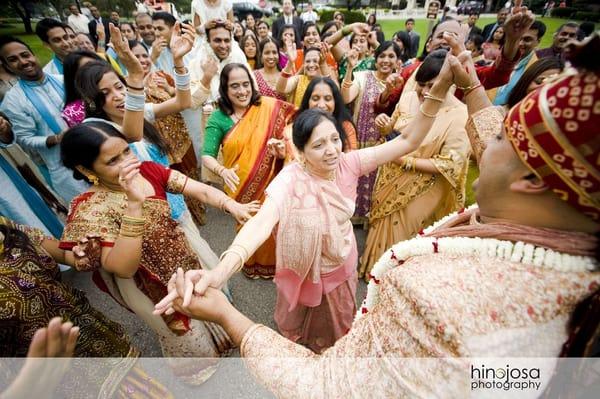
{"x":248,"y":128}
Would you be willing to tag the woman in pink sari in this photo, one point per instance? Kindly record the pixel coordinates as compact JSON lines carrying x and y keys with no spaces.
{"x":309,"y":204}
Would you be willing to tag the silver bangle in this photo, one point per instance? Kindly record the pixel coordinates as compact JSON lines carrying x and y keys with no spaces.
{"x":134,"y":101}
{"x":182,"y":81}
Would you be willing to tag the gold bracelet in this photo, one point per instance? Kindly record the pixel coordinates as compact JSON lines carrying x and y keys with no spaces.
{"x":433,"y":98}
{"x":470,"y":87}
{"x":425,"y":113}
{"x":346,"y":84}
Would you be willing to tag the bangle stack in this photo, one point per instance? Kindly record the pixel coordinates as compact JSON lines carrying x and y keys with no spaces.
{"x":470,"y":89}
{"x":241,"y":252}
{"x":135,"y":101}
{"x":346,"y":84}
{"x":182,"y":81}
{"x":132,"y":227}
{"x":285,"y":75}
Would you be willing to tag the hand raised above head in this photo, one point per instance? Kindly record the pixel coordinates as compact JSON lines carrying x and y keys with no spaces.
{"x":518,"y":22}
{"x":182,"y":40}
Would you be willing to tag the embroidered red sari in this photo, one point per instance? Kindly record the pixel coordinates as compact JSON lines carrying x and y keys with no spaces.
{"x":245,"y":145}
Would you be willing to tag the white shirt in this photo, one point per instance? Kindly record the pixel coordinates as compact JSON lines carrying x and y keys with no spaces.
{"x":201,"y":94}
{"x":79,"y":23}
{"x":309,"y":16}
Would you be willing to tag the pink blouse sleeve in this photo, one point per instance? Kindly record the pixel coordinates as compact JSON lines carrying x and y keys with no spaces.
{"x":360,"y":162}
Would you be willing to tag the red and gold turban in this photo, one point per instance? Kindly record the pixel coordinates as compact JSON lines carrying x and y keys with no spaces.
{"x":556,"y":132}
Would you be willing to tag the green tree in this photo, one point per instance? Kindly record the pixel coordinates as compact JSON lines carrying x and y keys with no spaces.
{"x":24,"y":9}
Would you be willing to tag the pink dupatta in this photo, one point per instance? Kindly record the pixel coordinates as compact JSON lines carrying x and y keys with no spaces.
{"x":313,"y":222}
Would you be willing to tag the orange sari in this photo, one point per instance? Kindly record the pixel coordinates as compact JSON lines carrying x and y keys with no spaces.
{"x":245,"y":145}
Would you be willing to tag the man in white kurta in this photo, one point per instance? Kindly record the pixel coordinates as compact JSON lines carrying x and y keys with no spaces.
{"x":210,"y":60}
{"x":38,"y":130}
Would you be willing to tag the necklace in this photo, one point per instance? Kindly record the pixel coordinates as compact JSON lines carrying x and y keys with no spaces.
{"x":270,"y":78}
{"x":518,"y":252}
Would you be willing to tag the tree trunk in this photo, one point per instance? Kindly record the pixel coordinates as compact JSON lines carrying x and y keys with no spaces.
{"x":24,"y":13}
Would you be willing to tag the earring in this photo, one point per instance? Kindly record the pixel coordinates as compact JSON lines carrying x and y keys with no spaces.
{"x":93,"y":179}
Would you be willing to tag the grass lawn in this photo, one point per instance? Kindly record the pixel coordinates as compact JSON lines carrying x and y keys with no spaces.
{"x":391,"y":26}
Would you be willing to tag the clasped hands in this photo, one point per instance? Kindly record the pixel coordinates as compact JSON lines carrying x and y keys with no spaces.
{"x":195,"y":293}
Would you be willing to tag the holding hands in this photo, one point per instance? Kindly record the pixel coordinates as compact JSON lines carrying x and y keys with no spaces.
{"x":195,"y":293}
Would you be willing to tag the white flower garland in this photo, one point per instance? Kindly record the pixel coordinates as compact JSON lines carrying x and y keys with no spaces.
{"x":518,"y":252}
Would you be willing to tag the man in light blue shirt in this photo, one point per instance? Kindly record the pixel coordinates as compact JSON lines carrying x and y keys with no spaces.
{"x":54,"y":35}
{"x":34,"y":108}
{"x":527,"y":45}
{"x":161,"y":55}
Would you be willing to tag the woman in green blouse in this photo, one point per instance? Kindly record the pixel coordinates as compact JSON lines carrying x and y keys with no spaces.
{"x":248,"y":128}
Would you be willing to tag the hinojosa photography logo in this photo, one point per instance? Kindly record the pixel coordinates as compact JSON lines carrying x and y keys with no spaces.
{"x":505,"y":378}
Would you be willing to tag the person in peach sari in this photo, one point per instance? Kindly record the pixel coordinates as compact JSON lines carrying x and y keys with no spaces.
{"x":245,"y":127}
{"x":427,"y":184}
{"x":309,"y":205}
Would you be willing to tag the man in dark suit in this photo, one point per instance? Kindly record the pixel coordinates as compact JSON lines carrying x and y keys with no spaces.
{"x":97,"y":19}
{"x":489,"y":29}
{"x":287,"y":18}
{"x":409,"y":25}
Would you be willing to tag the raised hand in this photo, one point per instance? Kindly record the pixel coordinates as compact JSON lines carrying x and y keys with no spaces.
{"x":393,"y":81}
{"x":231,"y":178}
{"x":352,"y":58}
{"x":276,"y":148}
{"x":126,"y":56}
{"x":360,"y":28}
{"x":518,"y":22}
{"x":100,"y":32}
{"x":290,"y":50}
{"x":87,"y":253}
{"x":39,"y":376}
{"x":182,"y":40}
{"x":210,"y":68}
{"x":129,"y":170}
{"x":384,"y":124}
{"x":157,"y":48}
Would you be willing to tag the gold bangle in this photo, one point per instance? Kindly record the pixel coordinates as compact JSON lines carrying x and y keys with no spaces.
{"x":425,"y":113}
{"x":233,"y":251}
{"x":247,"y":256}
{"x":470,"y":87}
{"x":433,"y":98}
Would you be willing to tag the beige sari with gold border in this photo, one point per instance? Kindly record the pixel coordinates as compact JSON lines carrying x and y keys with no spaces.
{"x":403,"y":202}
